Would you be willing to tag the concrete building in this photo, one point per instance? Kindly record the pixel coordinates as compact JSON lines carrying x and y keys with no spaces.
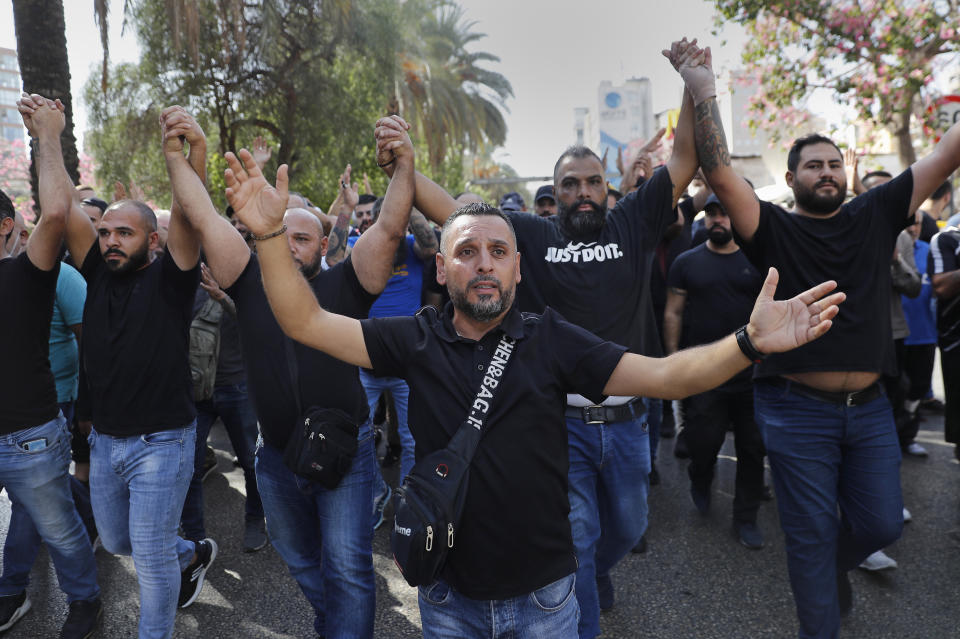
{"x":11,"y":126}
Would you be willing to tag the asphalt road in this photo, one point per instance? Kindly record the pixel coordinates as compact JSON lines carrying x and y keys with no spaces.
{"x":695,"y":581}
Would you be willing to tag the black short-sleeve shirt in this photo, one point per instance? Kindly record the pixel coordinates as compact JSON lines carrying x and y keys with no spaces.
{"x":943,"y":258}
{"x":853,"y":247}
{"x":515,"y":533}
{"x":602,"y":285}
{"x":136,"y":340}
{"x":28,"y":396}
{"x":721,"y":289}
{"x":324,"y":381}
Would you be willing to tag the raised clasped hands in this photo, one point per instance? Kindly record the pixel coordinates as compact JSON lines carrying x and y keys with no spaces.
{"x":782,"y":325}
{"x":178,"y":126}
{"x":40,"y":115}
{"x":695,"y":66}
{"x":393,"y":142}
{"x":257,"y":204}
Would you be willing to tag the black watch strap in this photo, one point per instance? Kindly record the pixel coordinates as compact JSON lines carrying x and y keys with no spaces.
{"x":747,"y":347}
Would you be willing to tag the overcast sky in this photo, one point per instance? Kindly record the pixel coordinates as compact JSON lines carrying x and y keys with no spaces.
{"x":554,"y":53}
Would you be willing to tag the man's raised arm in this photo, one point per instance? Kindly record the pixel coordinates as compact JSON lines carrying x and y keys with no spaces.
{"x":774,"y":327}
{"x":683,"y":161}
{"x":374,"y":252}
{"x":261,"y":207}
{"x":225,"y":250}
{"x":934,"y":169}
{"x":343,"y":206}
{"x":60,"y":208}
{"x":736,"y":196}
{"x":430,"y":198}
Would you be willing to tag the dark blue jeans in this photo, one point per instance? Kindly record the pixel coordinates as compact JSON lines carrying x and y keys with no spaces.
{"x":828,"y":457}
{"x":232,"y":406}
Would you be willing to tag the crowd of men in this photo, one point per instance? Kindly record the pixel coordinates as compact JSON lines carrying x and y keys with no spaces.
{"x":136,"y":331}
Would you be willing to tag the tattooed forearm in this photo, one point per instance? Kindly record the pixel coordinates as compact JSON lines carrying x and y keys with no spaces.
{"x":337,"y":242}
{"x":426,"y":239}
{"x":710,"y":139}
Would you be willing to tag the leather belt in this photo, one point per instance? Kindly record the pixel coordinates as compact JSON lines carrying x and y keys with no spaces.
{"x":841,"y":398}
{"x":607,"y":414}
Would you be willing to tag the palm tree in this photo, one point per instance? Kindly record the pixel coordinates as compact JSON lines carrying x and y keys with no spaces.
{"x":441,"y":89}
{"x":42,"y":55}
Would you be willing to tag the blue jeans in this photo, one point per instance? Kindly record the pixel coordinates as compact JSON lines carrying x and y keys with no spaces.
{"x":38,"y":485}
{"x":232,"y":406}
{"x":548,"y":613}
{"x":374,"y":386}
{"x":609,"y":480}
{"x":823,"y":457}
{"x":137,"y":486}
{"x":325,"y":538}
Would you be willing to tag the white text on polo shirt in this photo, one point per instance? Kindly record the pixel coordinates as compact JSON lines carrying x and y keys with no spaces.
{"x":580,"y":252}
{"x":490,"y":380}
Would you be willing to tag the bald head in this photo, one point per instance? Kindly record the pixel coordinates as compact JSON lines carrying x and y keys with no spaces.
{"x":302,"y":219}
{"x":148,"y":218}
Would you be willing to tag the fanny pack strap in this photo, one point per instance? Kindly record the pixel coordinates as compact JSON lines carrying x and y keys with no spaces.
{"x":293,"y":370}
{"x":467,"y":437}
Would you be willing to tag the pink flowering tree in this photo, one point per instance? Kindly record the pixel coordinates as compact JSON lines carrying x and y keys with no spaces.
{"x":878,"y":57}
{"x":15,"y":176}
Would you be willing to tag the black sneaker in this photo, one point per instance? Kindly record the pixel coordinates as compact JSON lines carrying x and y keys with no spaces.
{"x":82,"y":620}
{"x":191,"y":579}
{"x":12,"y":607}
{"x":641,"y":546}
{"x":605,"y":592}
{"x":749,"y":534}
{"x":254,"y":535}
{"x":654,"y":475}
{"x":701,"y":499}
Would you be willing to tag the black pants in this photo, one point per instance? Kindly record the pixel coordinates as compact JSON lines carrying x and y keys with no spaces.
{"x":706,"y":419}
{"x":918,"y":368}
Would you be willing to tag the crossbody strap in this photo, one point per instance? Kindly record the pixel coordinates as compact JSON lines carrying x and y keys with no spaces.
{"x":467,"y":437}
{"x":293,"y":370}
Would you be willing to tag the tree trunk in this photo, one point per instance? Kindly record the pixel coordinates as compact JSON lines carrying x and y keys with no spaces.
{"x":42,"y":53}
{"x":900,"y":127}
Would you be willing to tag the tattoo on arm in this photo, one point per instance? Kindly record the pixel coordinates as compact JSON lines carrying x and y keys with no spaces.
{"x":425,"y":238}
{"x":337,"y":242}
{"x":710,"y":140}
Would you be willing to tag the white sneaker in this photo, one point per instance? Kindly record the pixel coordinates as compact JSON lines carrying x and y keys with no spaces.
{"x":916,"y":450}
{"x":906,"y":515}
{"x":878,"y":561}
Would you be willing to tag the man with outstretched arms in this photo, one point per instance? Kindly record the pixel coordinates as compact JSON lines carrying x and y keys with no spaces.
{"x":827,"y":425}
{"x":511,"y":571}
{"x":34,"y":442}
{"x":593,"y":266}
{"x":309,"y":525}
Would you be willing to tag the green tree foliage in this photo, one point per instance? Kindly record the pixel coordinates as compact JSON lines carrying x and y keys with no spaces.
{"x":311,"y":76}
{"x":877,"y":56}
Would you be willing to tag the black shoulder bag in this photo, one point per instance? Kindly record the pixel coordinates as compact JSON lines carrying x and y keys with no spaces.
{"x":324,"y":441}
{"x":428,"y":506}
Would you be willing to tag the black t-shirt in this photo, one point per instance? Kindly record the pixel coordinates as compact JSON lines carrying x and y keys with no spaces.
{"x":664,"y":255}
{"x":928,"y":227}
{"x":136,"y":342}
{"x":721,"y":289}
{"x":515,"y":536}
{"x":28,"y":396}
{"x":324,"y":381}
{"x":854,"y":247}
{"x":942,"y":258}
{"x":602,"y":285}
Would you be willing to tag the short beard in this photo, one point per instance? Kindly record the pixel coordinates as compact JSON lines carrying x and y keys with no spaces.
{"x":310,"y":270}
{"x":582,"y":223}
{"x":811,"y":202}
{"x":134,"y":262}
{"x":488,"y":308}
{"x":720,"y":236}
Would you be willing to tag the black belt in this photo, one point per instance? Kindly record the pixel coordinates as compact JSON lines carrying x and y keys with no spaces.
{"x":855,"y":398}
{"x":607,"y":414}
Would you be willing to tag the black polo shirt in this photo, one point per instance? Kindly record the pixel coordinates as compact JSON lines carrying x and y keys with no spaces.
{"x":515,"y":533}
{"x":323,"y":381}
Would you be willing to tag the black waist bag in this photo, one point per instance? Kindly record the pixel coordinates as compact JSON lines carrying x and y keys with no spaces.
{"x":427,"y":509}
{"x":428,"y":506}
{"x":322,"y":446}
